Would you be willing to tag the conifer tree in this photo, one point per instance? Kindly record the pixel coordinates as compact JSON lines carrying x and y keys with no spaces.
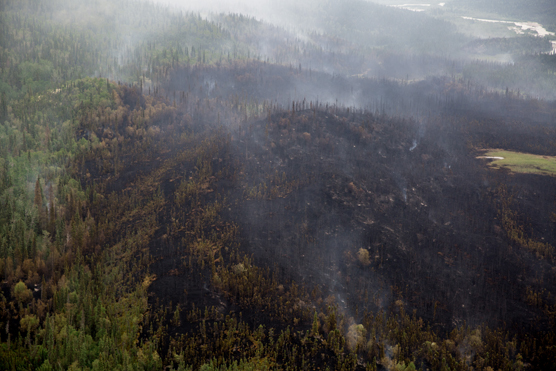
{"x":38,"y":203}
{"x":51,"y":211}
{"x":315,"y":327}
{"x":38,"y":194}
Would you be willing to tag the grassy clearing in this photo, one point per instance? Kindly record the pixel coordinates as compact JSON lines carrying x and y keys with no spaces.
{"x":518,"y":162}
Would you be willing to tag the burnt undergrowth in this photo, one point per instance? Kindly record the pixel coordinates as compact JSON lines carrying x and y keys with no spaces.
{"x":323,"y":216}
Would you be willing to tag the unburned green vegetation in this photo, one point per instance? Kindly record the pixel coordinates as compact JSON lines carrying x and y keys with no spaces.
{"x":519,"y":162}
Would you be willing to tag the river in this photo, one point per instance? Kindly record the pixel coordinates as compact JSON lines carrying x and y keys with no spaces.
{"x":518,"y":27}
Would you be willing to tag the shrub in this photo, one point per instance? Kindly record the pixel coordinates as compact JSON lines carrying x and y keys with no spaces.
{"x":21,"y":293}
{"x":363,"y":256}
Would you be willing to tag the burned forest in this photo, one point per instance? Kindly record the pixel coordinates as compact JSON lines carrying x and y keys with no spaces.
{"x":345,"y":185}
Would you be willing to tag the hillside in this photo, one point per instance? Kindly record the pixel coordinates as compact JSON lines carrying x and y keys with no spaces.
{"x":214,"y":192}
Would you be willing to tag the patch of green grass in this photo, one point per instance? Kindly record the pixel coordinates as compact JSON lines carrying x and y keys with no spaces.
{"x":518,"y":162}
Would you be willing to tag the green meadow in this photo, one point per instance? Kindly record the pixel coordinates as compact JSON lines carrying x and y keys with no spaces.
{"x":518,"y":162}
